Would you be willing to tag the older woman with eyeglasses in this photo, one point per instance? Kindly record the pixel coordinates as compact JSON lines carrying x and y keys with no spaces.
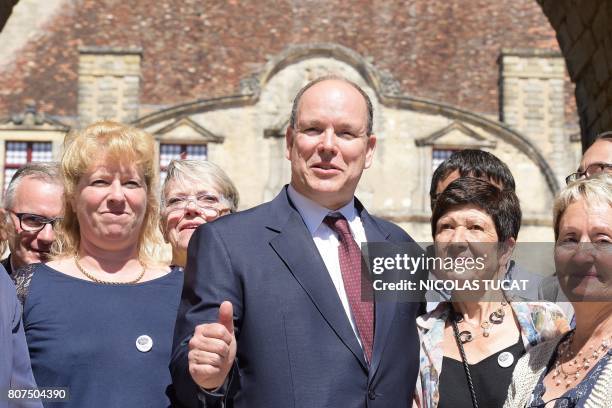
{"x":575,"y":370}
{"x":99,"y":316}
{"x":194,"y":192}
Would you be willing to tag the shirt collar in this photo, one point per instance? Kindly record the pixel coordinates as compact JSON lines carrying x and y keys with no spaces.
{"x":313,"y":213}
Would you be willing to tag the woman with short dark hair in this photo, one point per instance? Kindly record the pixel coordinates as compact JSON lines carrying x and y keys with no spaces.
{"x":470,"y":345}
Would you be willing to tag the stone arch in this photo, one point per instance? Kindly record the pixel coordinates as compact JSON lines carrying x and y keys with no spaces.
{"x":380,"y":81}
{"x":250,"y":88}
{"x":500,"y":129}
{"x":586,"y":43}
{"x":385,"y":87}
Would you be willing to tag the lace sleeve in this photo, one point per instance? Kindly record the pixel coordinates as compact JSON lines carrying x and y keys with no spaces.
{"x":22,"y":278}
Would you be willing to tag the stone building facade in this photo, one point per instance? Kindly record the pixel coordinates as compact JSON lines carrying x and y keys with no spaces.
{"x":208,"y":87}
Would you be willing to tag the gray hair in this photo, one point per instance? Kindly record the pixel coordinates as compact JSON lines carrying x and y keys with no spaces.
{"x":368,"y":102}
{"x":199,"y":171}
{"x":44,"y":171}
{"x":596,"y":189}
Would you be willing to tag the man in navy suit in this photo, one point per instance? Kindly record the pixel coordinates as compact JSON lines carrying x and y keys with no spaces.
{"x":15,"y":369}
{"x":269,"y":315}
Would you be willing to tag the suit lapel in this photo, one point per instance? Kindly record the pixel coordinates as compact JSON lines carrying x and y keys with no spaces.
{"x":384,"y":310}
{"x":294,"y":245}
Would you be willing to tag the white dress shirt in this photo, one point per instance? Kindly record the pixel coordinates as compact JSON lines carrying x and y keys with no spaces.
{"x":327,"y":242}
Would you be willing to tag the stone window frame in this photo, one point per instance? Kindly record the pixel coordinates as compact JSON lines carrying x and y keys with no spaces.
{"x":9,"y":168}
{"x":182,"y":155}
{"x":448,"y":151}
{"x":434,"y":141}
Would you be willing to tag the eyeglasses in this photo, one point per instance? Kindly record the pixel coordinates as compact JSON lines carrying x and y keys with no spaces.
{"x":604,"y":247}
{"x":206,"y":202}
{"x":34,"y":222}
{"x":591,"y":170}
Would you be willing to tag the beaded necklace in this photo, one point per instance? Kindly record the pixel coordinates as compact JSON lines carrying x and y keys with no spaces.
{"x":580,"y":362}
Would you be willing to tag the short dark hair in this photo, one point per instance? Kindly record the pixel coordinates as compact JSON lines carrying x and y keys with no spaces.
{"x":501,"y":205}
{"x":472,"y":163}
{"x":298,"y":96}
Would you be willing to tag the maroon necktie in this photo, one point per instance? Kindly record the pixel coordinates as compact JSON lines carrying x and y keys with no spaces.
{"x":349,"y":255}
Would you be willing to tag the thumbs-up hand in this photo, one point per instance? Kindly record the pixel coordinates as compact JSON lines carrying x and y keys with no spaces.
{"x":212,"y":350}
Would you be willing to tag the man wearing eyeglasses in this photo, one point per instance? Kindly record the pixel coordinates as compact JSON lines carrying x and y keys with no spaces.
{"x":32,"y":206}
{"x":597,"y":158}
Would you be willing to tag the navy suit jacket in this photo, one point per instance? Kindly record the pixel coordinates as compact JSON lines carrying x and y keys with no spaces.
{"x":296,"y":347}
{"x":15,"y":369}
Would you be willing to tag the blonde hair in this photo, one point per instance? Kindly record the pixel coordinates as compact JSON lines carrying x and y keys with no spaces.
{"x":596,"y":189}
{"x":112,"y":142}
{"x":201,"y":171}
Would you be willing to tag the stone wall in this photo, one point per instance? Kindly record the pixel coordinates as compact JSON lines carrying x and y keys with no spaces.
{"x":533,"y":103}
{"x":109,"y":84}
{"x":585,"y":38}
{"x":396,"y":186}
{"x":30,"y":126}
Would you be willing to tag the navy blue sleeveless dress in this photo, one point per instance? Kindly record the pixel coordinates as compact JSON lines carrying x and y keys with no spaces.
{"x":83,"y":335}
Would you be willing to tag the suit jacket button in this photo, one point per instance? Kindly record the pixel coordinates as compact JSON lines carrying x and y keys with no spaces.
{"x":371,"y":394}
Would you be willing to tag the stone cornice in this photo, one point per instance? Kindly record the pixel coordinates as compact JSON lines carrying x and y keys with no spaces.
{"x":381,"y":83}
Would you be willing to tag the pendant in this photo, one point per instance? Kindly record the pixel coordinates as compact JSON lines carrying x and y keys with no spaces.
{"x":465,"y":337}
{"x":497,"y":317}
{"x":486,"y":328}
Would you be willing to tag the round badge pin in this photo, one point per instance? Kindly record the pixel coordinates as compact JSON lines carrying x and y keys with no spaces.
{"x":144,"y":343}
{"x":505,"y":359}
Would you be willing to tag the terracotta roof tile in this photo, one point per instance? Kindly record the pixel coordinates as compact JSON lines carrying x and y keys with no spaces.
{"x":444,"y":51}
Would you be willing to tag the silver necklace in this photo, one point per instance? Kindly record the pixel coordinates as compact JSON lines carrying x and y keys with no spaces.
{"x":497,"y":317}
{"x":580,"y":362}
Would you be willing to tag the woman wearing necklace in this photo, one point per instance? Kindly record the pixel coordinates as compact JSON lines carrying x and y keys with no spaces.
{"x":99,"y":317}
{"x":470,"y":345}
{"x":575,"y":370}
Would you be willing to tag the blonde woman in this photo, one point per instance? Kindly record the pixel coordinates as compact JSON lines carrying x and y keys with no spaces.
{"x":99,"y":317}
{"x":575,"y":370}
